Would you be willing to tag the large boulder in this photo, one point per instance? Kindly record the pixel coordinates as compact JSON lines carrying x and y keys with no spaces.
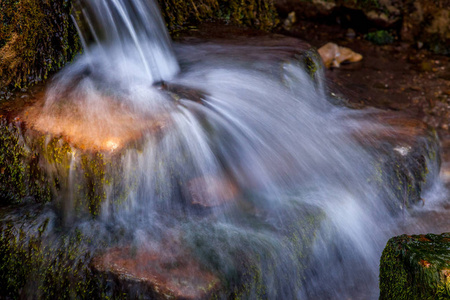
{"x":416,"y":267}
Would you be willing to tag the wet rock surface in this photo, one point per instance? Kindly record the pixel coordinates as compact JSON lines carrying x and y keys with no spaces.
{"x":157,"y":274}
{"x":408,"y":157}
{"x":389,"y":77}
{"x":416,"y":267}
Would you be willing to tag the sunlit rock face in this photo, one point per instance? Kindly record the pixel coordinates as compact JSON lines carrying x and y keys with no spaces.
{"x":238,"y":168}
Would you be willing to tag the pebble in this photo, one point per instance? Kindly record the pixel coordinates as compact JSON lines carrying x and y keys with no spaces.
{"x":351,"y":34}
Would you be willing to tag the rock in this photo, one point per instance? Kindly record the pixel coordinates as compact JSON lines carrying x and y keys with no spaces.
{"x":380,"y":37}
{"x":416,"y":267}
{"x":424,"y":21}
{"x":289,"y":21}
{"x":160,"y":274}
{"x":111,"y":130}
{"x":428,"y":23}
{"x":407,"y":158}
{"x":212,"y":191}
{"x":35,"y":265}
{"x":351,"y":34}
{"x":324,"y":7}
{"x":381,"y":20}
{"x":333,"y":55}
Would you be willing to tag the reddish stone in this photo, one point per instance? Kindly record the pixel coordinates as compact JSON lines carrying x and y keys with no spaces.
{"x":111,"y":130}
{"x":167,"y":276}
{"x":212,"y":191}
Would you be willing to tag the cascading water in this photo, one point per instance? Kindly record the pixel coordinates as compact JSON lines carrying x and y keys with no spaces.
{"x":124,"y":35}
{"x":258,"y":176}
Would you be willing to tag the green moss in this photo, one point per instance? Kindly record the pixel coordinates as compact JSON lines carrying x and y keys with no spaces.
{"x":312,"y":62}
{"x":94,"y":175}
{"x":245,"y":260}
{"x":393,"y":276}
{"x":35,"y":267}
{"x":21,"y":177}
{"x":39,"y":168}
{"x":380,"y":37}
{"x":403,"y":178}
{"x":260,"y":14}
{"x":416,"y":267}
{"x":37,"y":38}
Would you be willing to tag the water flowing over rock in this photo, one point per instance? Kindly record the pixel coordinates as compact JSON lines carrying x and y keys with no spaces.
{"x":239,"y":169}
{"x":133,"y":31}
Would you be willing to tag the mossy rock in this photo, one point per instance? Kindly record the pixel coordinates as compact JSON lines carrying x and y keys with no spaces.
{"x":380,"y":37}
{"x":21,"y":176}
{"x":416,"y":267}
{"x":36,"y":38}
{"x":407,"y":160}
{"x":39,"y":168}
{"x":255,"y":14}
{"x":246,"y":257}
{"x":34,"y":265}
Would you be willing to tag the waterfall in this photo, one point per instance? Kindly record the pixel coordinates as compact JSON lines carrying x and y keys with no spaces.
{"x":243,"y":163}
{"x":126,"y":36}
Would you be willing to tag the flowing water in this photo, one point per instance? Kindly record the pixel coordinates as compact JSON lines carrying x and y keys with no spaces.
{"x":257,"y":173}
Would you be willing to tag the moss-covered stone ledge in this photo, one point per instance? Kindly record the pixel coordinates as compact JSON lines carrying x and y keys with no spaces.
{"x":36,"y":38}
{"x":416,"y":267}
{"x":39,"y":168}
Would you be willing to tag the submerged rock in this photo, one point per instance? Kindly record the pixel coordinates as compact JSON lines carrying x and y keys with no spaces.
{"x":212,"y":191}
{"x":416,"y":267}
{"x":157,"y":274}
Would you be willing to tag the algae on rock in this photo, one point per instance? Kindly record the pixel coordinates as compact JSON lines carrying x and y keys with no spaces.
{"x":416,"y":267}
{"x":36,"y":38}
{"x":21,"y":177}
{"x":35,"y":265}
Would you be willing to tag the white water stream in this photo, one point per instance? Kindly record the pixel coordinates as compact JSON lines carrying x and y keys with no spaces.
{"x":262,"y":173}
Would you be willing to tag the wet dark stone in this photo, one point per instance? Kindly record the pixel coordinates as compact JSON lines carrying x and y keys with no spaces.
{"x":407,"y":156}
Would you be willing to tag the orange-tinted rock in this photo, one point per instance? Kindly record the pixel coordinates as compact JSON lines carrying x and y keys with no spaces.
{"x":162,"y":274}
{"x":111,"y":130}
{"x":212,"y":191}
